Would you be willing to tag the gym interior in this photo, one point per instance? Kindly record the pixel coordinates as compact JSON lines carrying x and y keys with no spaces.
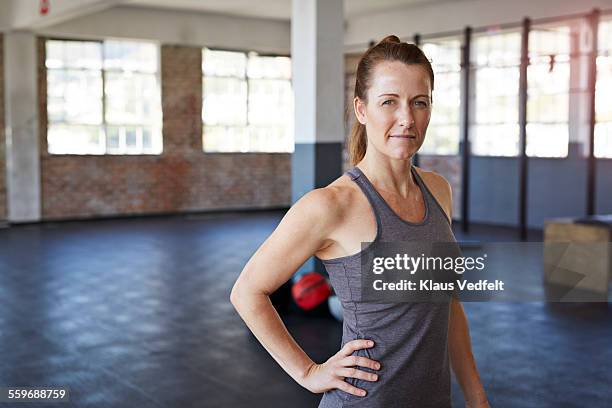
{"x":149,"y":147}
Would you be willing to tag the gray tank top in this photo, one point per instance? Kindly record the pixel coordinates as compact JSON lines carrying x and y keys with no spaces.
{"x":410,"y":338}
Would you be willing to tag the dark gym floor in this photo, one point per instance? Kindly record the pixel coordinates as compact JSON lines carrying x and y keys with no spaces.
{"x":136,"y":313}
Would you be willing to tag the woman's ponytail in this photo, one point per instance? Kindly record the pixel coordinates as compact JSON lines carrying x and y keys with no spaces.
{"x":357,"y":143}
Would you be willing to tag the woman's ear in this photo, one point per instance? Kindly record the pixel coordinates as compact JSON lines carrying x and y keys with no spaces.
{"x":360,"y":110}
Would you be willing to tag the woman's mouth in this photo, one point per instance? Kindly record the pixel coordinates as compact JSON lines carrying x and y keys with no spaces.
{"x":404,"y":136}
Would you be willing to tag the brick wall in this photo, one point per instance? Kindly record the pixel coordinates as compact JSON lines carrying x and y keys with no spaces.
{"x":182,"y":178}
{"x":3,"y":207}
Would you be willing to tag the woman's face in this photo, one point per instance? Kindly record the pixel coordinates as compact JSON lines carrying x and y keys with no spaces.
{"x":398,"y":109}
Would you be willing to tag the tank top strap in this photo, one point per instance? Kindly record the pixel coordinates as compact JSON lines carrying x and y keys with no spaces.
{"x":432,"y":202}
{"x":427,"y":195}
{"x":374,"y":198}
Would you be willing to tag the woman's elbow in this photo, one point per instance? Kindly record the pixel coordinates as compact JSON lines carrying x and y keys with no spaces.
{"x":235,"y":295}
{"x":241,"y":292}
{"x":245,"y":296}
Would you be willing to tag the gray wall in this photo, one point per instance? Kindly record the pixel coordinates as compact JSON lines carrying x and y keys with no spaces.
{"x":556,"y":188}
{"x":604,"y":186}
{"x":494,"y":190}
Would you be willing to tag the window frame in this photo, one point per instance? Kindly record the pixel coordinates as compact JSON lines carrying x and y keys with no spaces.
{"x":442,"y":39}
{"x":566,"y":24}
{"x":104,"y":124}
{"x":605,"y":18}
{"x":473,"y":94}
{"x":246,"y":78}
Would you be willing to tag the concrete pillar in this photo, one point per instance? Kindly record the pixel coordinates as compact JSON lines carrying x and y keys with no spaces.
{"x":22,"y":133}
{"x":317,"y":37}
{"x":317,"y":29}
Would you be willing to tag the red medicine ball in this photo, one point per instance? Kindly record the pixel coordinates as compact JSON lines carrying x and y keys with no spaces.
{"x":310,"y":291}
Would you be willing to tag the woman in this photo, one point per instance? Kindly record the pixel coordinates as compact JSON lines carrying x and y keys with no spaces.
{"x":393,"y":354}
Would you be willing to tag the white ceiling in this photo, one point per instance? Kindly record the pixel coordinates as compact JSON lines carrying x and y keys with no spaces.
{"x":276,"y":9}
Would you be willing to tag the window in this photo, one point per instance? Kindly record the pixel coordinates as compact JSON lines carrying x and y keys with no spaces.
{"x":248,"y":102}
{"x":443,"y":131}
{"x":548,"y":77}
{"x":603,"y":108}
{"x":496,"y":59}
{"x":103,"y":97}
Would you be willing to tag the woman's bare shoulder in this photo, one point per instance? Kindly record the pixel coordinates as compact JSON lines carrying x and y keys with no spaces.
{"x":434,"y":178}
{"x":439,"y":187}
{"x":330,"y":201}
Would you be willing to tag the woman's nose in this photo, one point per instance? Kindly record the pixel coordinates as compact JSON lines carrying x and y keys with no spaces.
{"x":406,"y":119}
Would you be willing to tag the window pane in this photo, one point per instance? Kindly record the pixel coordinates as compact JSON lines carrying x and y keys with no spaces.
{"x":74,"y":54}
{"x":223,"y":63}
{"x":446,"y":99}
{"x":269,"y":67}
{"x":498,"y":140}
{"x":547,"y":140}
{"x":548,"y":108}
{"x":497,"y":109}
{"x":113,"y":138}
{"x":549,"y":41}
{"x":246,"y":115}
{"x":443,"y":132}
{"x":603,"y":107}
{"x":497,"y":81}
{"x":496,"y":77}
{"x":74,"y":96}
{"x":132,"y":98}
{"x":147,"y":139}
{"x":151,"y":140}
{"x":445,"y":55}
{"x":131,"y":140}
{"x":72,"y":139}
{"x":548,"y":77}
{"x":225,"y":101}
{"x":603,"y":140}
{"x":270,"y":102}
{"x":605,"y":36}
{"x":130,"y":56}
{"x":498,"y":49}
{"x":269,"y":139}
{"x":226,"y":139}
{"x":441,"y":139}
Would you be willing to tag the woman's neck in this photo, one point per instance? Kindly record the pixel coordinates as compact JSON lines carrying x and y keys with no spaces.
{"x":393,"y":176}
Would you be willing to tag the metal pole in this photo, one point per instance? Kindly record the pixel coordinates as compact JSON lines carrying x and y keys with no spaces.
{"x":593,"y":19}
{"x":465,"y":129}
{"x":523,"y":160}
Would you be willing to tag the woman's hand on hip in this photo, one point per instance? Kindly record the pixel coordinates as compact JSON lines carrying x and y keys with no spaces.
{"x":331,"y":374}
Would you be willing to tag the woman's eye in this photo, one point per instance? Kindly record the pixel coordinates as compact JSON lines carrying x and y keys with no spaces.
{"x":388,"y":102}
{"x":421,"y":104}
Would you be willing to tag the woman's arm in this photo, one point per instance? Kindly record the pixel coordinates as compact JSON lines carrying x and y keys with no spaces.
{"x":459,"y":343}
{"x":461,"y":357}
{"x":302,"y":232}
